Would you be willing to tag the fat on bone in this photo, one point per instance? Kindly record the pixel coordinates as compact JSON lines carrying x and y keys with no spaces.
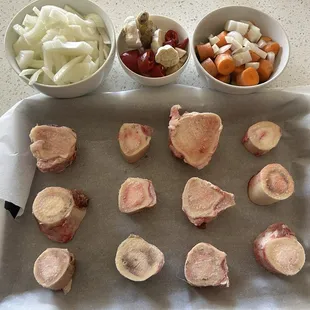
{"x":205,"y":265}
{"x":136,"y":194}
{"x":138,"y":260}
{"x":202,"y":201}
{"x":262,"y":137}
{"x":53,"y":147}
{"x":278,"y":250}
{"x":272,"y":184}
{"x":59,"y":212}
{"x":194,"y":136}
{"x":54,"y":269}
{"x":134,"y":140}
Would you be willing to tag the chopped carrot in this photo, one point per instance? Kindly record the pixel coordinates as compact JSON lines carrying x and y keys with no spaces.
{"x":228,"y":52}
{"x":237,"y":71}
{"x":265,"y":38}
{"x":265,"y":69}
{"x":205,"y":51}
{"x":222,"y":41}
{"x":254,"y":56}
{"x":225,"y":64}
{"x":210,"y":67}
{"x":272,"y":47}
{"x":223,"y":78}
{"x":248,"y":77}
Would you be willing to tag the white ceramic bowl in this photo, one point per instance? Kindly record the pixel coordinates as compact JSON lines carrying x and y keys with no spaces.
{"x":165,"y":24}
{"x":214,"y":22}
{"x":73,"y":90}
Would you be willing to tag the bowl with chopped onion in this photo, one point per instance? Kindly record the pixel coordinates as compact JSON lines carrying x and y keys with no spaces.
{"x":62,"y":48}
{"x":239,"y":50}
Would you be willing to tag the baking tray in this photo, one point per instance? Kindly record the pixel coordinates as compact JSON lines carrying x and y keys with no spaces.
{"x":99,"y":170}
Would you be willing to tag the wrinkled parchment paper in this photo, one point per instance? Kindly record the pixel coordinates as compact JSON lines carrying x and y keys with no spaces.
{"x":100,"y":170}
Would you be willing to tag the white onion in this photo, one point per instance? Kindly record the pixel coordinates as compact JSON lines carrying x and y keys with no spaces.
{"x":232,"y":25}
{"x":24,"y":59}
{"x":34,"y":77}
{"x":261,"y":43}
{"x":215,"y":48}
{"x":254,"y":65}
{"x":228,"y":39}
{"x":235,"y":45}
{"x":271,"y":57}
{"x":242,"y":58}
{"x":236,"y":35}
{"x":27,"y":72}
{"x":253,"y":47}
{"x":254,"y":34}
{"x":240,"y":50}
{"x":223,"y":49}
{"x":213,"y":40}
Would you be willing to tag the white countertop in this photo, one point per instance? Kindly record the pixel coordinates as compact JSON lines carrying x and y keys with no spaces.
{"x":293,"y":15}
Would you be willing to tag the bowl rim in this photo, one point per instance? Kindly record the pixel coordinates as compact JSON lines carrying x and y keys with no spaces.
{"x":236,"y":87}
{"x":33,"y":3}
{"x":162,"y":78}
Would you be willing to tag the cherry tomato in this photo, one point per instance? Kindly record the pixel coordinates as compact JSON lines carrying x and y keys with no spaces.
{"x":171,"y":42}
{"x":146,"y":62}
{"x":157,"y":71}
{"x":183,"y":44}
{"x":130,"y":59}
{"x":172,"y":35}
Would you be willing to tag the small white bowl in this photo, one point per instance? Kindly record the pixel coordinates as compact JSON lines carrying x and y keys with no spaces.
{"x":165,"y":24}
{"x":73,"y":90}
{"x":214,"y":22}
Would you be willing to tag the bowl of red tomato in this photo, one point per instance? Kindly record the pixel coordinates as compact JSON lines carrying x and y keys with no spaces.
{"x":153,"y":50}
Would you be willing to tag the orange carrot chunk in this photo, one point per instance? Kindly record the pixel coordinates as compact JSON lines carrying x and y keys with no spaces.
{"x":204,"y":51}
{"x":248,"y":77}
{"x":265,"y":69}
{"x":225,"y":64}
{"x":223,"y":78}
{"x":227,"y":52}
{"x":254,"y":56}
{"x":265,"y":38}
{"x":272,"y":47}
{"x":210,"y":67}
{"x":222,"y":41}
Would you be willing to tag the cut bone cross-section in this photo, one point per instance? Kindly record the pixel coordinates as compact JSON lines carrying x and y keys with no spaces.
{"x":278,"y":250}
{"x":272,"y":184}
{"x":202,"y":201}
{"x":59,"y":212}
{"x":136,"y":194}
{"x":206,"y":266}
{"x":262,"y":137}
{"x":194,"y":136}
{"x":138,"y":260}
{"x":54,"y":269}
{"x":53,"y":147}
{"x":134,"y":141}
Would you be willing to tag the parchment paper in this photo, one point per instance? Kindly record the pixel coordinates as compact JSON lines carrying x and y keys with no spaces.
{"x":100,"y":170}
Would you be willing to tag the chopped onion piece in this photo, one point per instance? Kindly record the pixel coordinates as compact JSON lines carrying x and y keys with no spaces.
{"x":106,"y":51}
{"x":87,"y":59}
{"x":254,"y":65}
{"x":61,"y":38}
{"x":96,"y":19}
{"x":254,"y":34}
{"x":261,"y":43}
{"x":104,"y":35}
{"x":213,"y":40}
{"x":36,"y":33}
{"x":68,"y":48}
{"x":223,"y":49}
{"x":30,"y":21}
{"x":245,"y":42}
{"x":56,"y":19}
{"x":235,"y":45}
{"x":232,"y":25}
{"x":19,"y":29}
{"x":77,"y":73}
{"x":36,"y":11}
{"x":27,"y":72}
{"x":229,"y":39}
{"x":76,"y":20}
{"x":81,"y":34}
{"x":101,"y":55}
{"x":61,"y":74}
{"x":34,"y":77}
{"x":94,"y":45}
{"x":37,"y":64}
{"x":93,"y":67}
{"x":253,"y":47}
{"x":242,"y":58}
{"x":236,"y":35}
{"x":69,"y":9}
{"x":240,"y":50}
{"x":49,"y":73}
{"x":271,"y":56}
{"x":24,"y":59}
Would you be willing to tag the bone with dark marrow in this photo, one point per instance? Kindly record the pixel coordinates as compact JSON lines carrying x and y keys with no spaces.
{"x":272,"y":184}
{"x":136,"y":194}
{"x":194,"y":136}
{"x":138,"y":260}
{"x":134,"y":141}
{"x":278,"y":250}
{"x":59,"y":212}
{"x":205,"y":265}
{"x":54,"y":269}
{"x":53,"y":147}
{"x":202,"y":201}
{"x":262,"y":137}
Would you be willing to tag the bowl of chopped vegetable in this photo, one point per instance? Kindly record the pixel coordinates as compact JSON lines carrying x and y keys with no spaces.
{"x":239,"y":50}
{"x":64,"y":49}
{"x":153,"y":50}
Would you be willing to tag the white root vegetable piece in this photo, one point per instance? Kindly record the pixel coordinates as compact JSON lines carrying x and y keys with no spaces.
{"x":271,"y":56}
{"x":194,"y":136}
{"x":272,"y":184}
{"x":242,"y":58}
{"x":223,"y":49}
{"x":213,"y":39}
{"x":53,"y":147}
{"x":261,"y":43}
{"x":202,"y":201}
{"x":138,"y":260}
{"x":59,"y":212}
{"x":232,"y":25}
{"x":136,"y":194}
{"x":205,"y":265}
{"x":254,"y":65}
{"x":235,"y":45}
{"x":262,"y":137}
{"x":278,"y":250}
{"x":253,"y":47}
{"x":215,"y":48}
{"x":54,"y":269}
{"x":236,"y":35}
{"x":134,"y":141}
{"x":254,"y":33}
